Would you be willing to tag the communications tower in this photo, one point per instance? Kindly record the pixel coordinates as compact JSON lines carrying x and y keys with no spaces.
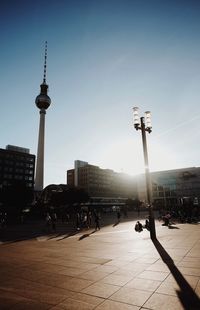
{"x":42,"y":101}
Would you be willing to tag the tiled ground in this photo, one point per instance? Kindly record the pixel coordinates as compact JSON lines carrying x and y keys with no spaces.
{"x":112,"y":269}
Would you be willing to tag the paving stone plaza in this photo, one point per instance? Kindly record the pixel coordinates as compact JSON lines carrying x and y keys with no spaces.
{"x":111,"y":269}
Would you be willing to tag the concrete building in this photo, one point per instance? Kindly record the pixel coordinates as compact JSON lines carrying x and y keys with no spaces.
{"x":172,"y":187}
{"x":101,"y":182}
{"x":42,"y":101}
{"x":169,"y":188}
{"x":16,"y":163}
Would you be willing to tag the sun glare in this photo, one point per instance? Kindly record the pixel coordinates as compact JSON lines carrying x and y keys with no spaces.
{"x":127,"y":156}
{"x":122,"y":157}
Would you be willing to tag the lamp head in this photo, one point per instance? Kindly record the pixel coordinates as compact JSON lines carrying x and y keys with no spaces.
{"x":136,"y":118}
{"x":148,"y":121}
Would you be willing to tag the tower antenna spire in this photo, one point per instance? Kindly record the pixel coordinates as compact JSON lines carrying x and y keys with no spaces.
{"x":45,"y":63}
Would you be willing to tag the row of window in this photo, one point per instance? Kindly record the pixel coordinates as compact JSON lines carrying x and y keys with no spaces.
{"x":17,"y":177}
{"x":164,"y":194}
{"x":11,"y":161}
{"x":17,"y":170}
{"x":6,"y":183}
{"x":164,"y":187}
{"x":17,"y":163}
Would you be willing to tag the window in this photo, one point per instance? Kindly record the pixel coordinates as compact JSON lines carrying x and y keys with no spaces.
{"x":31,"y":159}
{"x":19,"y":170}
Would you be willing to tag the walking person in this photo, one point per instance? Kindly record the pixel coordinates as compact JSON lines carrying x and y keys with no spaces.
{"x":118,"y":216}
{"x":53,"y":221}
{"x":85,"y":220}
{"x":48,"y":221}
{"x":89,"y":216}
{"x":78,"y":221}
{"x":96,"y":219}
{"x":147,"y":225}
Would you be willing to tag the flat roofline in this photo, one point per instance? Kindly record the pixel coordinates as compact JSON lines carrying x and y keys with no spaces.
{"x":166,"y":171}
{"x":176,"y":169}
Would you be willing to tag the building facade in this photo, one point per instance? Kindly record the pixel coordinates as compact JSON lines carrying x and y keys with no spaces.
{"x":16,"y":164}
{"x":172,"y":187}
{"x":101,"y":182}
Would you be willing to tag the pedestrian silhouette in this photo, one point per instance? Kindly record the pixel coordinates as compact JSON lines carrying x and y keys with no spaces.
{"x":96,"y":219}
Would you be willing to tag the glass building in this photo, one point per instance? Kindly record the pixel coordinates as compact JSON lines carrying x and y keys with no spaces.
{"x":172,"y":187}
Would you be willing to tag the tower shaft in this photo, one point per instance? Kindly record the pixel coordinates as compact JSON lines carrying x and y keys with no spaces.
{"x":39,"y":177}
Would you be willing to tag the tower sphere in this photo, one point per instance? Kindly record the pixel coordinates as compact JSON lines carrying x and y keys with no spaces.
{"x":42,"y":101}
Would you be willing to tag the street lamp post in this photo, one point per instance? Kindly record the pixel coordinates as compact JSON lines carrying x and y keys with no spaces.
{"x":144,"y":124}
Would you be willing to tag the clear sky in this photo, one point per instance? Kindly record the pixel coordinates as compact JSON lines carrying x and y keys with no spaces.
{"x":104,"y":57}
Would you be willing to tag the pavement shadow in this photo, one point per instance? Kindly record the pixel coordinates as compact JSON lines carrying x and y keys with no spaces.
{"x":173,"y":227}
{"x":36,"y":229}
{"x":33,"y":232}
{"x":19,"y":236}
{"x":186,"y":294}
{"x":86,"y":235}
{"x":68,"y":235}
{"x":54,"y":236}
{"x":116,"y":223}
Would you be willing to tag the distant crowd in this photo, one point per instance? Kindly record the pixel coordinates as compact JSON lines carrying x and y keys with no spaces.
{"x":82,"y":219}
